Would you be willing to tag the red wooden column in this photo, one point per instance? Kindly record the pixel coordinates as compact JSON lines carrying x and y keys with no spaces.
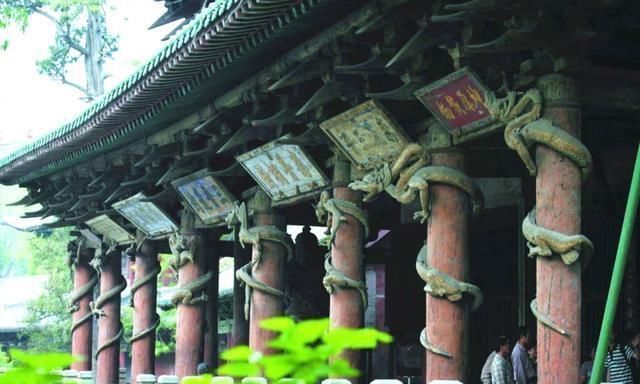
{"x":211,"y":336}
{"x":558,"y":198}
{"x":271,"y":272}
{"x":190,"y":316}
{"x":112,"y":283}
{"x":144,"y":299}
{"x":345,"y":305}
{"x":84,"y":280}
{"x":447,"y":249}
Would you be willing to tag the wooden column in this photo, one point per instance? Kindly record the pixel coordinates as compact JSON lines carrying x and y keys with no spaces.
{"x":112,"y":283}
{"x":144,"y":300}
{"x":271,"y":272}
{"x":211,"y":337}
{"x":190,"y":317}
{"x":447,"y":249}
{"x":345,"y":305}
{"x":84,"y":280}
{"x":240,"y":331}
{"x":558,"y":198}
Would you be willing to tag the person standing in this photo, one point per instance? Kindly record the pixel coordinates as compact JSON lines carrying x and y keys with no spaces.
{"x":587,"y":367}
{"x":501,"y":370}
{"x":619,"y":359}
{"x":485,"y":374}
{"x":523,"y":370}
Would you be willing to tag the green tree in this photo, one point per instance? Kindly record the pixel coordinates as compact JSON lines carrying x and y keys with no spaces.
{"x":48,"y":319}
{"x":81,"y":35}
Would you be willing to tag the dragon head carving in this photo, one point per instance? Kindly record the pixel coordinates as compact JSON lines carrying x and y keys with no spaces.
{"x":374,"y":182}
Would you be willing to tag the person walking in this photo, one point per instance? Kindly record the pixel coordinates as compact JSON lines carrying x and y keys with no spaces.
{"x":501,"y":369}
{"x":523,"y":370}
{"x":485,"y":374}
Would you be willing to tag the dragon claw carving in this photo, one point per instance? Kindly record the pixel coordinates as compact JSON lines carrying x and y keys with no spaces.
{"x":244,"y":275}
{"x":545,"y":242}
{"x":334,"y":279}
{"x":256,"y":235}
{"x":421,"y":180}
{"x":440,"y":284}
{"x":412,"y":158}
{"x":525,"y":127}
{"x":184,"y":293}
{"x":183,"y":248}
{"x":334,"y":211}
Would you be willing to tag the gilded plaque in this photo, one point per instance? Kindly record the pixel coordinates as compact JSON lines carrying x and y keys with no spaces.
{"x":367,"y":134}
{"x":458,"y":100}
{"x":146,"y":216}
{"x":108,"y":228}
{"x":284,"y":171}
{"x":206,"y":195}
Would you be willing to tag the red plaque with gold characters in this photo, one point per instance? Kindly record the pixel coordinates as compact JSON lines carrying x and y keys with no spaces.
{"x":458,"y":100}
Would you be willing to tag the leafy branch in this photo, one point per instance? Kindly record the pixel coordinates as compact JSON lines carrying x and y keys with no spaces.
{"x":307,"y":351}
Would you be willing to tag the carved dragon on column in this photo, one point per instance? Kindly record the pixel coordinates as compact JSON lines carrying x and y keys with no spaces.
{"x":414,"y":174}
{"x":134,"y":251}
{"x":255,"y":236}
{"x":524,"y":128}
{"x":74,"y":251}
{"x":332,"y":211}
{"x":183,"y":250}
{"x":106,"y":251}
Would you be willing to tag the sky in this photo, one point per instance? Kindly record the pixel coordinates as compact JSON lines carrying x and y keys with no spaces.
{"x":32,"y":104}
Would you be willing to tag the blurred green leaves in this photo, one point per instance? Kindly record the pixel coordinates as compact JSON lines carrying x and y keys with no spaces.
{"x":32,"y":368}
{"x":309,"y":351}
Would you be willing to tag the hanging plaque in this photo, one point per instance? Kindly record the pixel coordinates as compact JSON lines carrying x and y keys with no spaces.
{"x":108,"y":228}
{"x":458,"y":101}
{"x":367,"y":134}
{"x":146,"y":216}
{"x":285,"y":171}
{"x":206,"y":195}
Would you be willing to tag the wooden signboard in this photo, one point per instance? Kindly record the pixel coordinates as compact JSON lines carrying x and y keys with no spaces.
{"x":146,"y":216}
{"x":206,"y":195}
{"x":108,"y":228}
{"x":284,"y":171}
{"x":458,"y":101}
{"x":367,"y":134}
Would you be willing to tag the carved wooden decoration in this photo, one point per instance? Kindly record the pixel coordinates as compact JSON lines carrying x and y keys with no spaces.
{"x":458,"y":100}
{"x":108,"y":228}
{"x":285,"y":171}
{"x":206,"y":195}
{"x":367,"y":134}
{"x":146,"y":216}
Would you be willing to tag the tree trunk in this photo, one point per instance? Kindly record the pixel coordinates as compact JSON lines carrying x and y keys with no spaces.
{"x":93,"y":62}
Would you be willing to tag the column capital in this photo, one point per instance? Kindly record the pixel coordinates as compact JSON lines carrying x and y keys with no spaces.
{"x":559,"y":90}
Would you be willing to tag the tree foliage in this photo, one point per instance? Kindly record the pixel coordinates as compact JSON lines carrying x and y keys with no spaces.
{"x":307,"y":351}
{"x":81,"y":35}
{"x":34,"y":368}
{"x":48,"y":320}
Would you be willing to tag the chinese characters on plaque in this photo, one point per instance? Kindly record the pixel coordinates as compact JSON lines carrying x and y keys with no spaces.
{"x":108,"y":228}
{"x":284,"y":171}
{"x":458,"y":100}
{"x":146,"y":216}
{"x":207,"y":196}
{"x":367,"y":134}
